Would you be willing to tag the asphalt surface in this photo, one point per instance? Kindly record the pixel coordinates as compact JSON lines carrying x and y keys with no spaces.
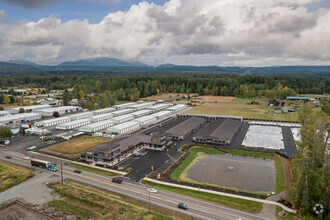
{"x":196,"y":208}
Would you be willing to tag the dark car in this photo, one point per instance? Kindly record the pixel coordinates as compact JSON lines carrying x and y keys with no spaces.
{"x":8,"y":157}
{"x":182,"y":206}
{"x":117,"y":180}
{"x":77,"y":171}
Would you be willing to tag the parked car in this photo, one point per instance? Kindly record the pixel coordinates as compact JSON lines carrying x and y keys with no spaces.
{"x":26,"y":158}
{"x":152,"y":190}
{"x":8,"y":157}
{"x":182,"y":206}
{"x":77,"y":171}
{"x":117,"y":180}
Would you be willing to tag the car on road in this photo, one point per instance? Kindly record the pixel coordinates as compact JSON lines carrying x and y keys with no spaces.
{"x":117,"y":180}
{"x":182,"y":206}
{"x":8,"y":157}
{"x":26,"y":158}
{"x":77,"y":171}
{"x":152,"y":190}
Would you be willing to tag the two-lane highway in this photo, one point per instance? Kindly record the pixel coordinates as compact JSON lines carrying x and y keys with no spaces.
{"x":197,"y":208}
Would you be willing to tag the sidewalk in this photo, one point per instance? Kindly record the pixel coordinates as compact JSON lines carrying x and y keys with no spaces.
{"x":273,"y":203}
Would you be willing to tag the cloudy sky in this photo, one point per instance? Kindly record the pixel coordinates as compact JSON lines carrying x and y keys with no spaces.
{"x":189,"y":32}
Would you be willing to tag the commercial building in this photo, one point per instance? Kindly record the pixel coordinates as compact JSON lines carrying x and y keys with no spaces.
{"x":176,"y":108}
{"x":221,"y":131}
{"x":103,"y":111}
{"x":158,"y":107}
{"x":141,"y":106}
{"x":123,"y":106}
{"x":298,"y":98}
{"x":145,"y":119}
{"x":81,"y":115}
{"x":4,"y":113}
{"x":61,"y":110}
{"x":74,"y":124}
{"x":210,"y":117}
{"x":162,"y":114}
{"x":186,"y":128}
{"x":97,"y":126}
{"x":122,"y":112}
{"x":122,"y":118}
{"x":19,"y":118}
{"x":140,"y":113}
{"x":31,"y":108}
{"x":52,"y":122}
{"x":101,"y":117}
{"x":123,"y":128}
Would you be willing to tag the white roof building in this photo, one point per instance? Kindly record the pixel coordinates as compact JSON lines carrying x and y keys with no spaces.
{"x":19,"y":118}
{"x":123,"y":128}
{"x":141,"y":106}
{"x":162,"y":114}
{"x":103,"y":111}
{"x":122,"y":112}
{"x":101,"y":117}
{"x":145,"y":119}
{"x":97,"y":126}
{"x":52,"y":122}
{"x":81,"y":115}
{"x":4,"y":113}
{"x":74,"y":124}
{"x":176,"y":108}
{"x":31,"y":108}
{"x":122,"y":118}
{"x":61,"y":110}
{"x":122,"y":106}
{"x":140,"y":113}
{"x":158,"y":107}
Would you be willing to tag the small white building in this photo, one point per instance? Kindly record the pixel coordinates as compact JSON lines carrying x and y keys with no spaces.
{"x":103,"y":111}
{"x":122,"y":112}
{"x":74,"y":124}
{"x":176,"y":108}
{"x":81,"y":115}
{"x":140,"y":113}
{"x":123,"y":128}
{"x":122,"y":106}
{"x":4,"y":113}
{"x":122,"y":118}
{"x":31,"y":108}
{"x":145,"y":119}
{"x":19,"y":118}
{"x":162,"y":114}
{"x":61,"y":110}
{"x":141,"y":106}
{"x":52,"y":122}
{"x":97,"y":126}
{"x":158,"y":107}
{"x":101,"y":117}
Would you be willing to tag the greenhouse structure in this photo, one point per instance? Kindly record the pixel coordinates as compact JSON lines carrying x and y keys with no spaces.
{"x":176,"y":108}
{"x":141,"y":113}
{"x":145,"y":119}
{"x":141,"y":106}
{"x":158,"y":107}
{"x":97,"y":126}
{"x":122,"y":118}
{"x":162,"y":114}
{"x":101,"y":117}
{"x":81,"y":115}
{"x":53,"y":121}
{"x":103,"y":111}
{"x":122,"y":106}
{"x":123,"y":128}
{"x":74,"y":124}
{"x":122,"y":112}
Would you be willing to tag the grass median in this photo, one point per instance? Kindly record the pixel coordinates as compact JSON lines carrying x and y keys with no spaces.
{"x":93,"y":170}
{"x":12,"y":175}
{"x":240,"y":204}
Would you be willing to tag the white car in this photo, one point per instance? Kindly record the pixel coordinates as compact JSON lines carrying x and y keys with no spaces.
{"x":152,"y":190}
{"x":26,"y":158}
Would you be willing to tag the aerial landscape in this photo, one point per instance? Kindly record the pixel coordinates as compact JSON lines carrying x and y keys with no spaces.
{"x":164,"y":109}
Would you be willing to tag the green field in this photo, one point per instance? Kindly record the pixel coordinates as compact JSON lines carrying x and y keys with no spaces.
{"x":12,"y":175}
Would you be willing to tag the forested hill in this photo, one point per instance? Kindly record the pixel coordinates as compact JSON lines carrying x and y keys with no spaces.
{"x":112,"y":66}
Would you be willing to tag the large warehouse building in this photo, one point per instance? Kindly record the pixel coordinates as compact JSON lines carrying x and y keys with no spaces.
{"x":52,"y":122}
{"x":140,"y":113}
{"x":123,"y":128}
{"x":221,"y":131}
{"x":176,"y":108}
{"x":97,"y":126}
{"x":186,"y":128}
{"x":61,"y":110}
{"x":123,"y":106}
{"x":101,"y":117}
{"x":74,"y":124}
{"x":158,"y":107}
{"x":145,"y":119}
{"x":122,"y":112}
{"x":103,"y":111}
{"x":19,"y":118}
{"x":31,"y":108}
{"x":162,"y":114}
{"x":141,"y":106}
{"x":122,"y":118}
{"x":81,"y":115}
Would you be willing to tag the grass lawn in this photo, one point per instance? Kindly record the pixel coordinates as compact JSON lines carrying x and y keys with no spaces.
{"x":75,"y":146}
{"x":93,"y":170}
{"x":88,"y":202}
{"x":291,"y":216}
{"x":240,"y":204}
{"x":12,"y":175}
{"x":175,"y":175}
{"x":279,"y":186}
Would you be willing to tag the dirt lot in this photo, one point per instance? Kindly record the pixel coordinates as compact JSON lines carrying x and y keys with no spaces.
{"x":216,"y":98}
{"x":170,"y":96}
{"x":72,"y":148}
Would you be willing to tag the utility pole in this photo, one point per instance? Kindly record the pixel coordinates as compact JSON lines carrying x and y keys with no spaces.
{"x":61,"y":174}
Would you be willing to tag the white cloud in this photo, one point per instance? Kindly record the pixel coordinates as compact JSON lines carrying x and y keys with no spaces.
{"x":225,"y":31}
{"x":3,"y":14}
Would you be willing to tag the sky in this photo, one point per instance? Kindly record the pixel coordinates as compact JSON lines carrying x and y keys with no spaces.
{"x":184,"y":32}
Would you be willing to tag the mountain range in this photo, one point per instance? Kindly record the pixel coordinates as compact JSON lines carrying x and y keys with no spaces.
{"x":115,"y":65}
